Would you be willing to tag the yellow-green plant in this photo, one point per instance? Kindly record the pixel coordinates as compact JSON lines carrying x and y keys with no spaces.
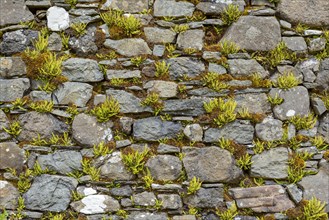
{"x":214,"y":82}
{"x":42,"y":106}
{"x":37,"y":170}
{"x":244,"y":113}
{"x":153,"y":100}
{"x":65,"y":40}
{"x":259,"y":181}
{"x":111,"y":16}
{"x":259,"y":82}
{"x":190,"y":51}
{"x":287,"y":80}
{"x":259,"y":146}
{"x":72,"y":3}
{"x":39,"y":141}
{"x":226,"y":144}
{"x":274,"y":1}
{"x":24,"y":182}
{"x":4,"y":215}
{"x":42,"y":43}
{"x":79,"y":28}
{"x":161,"y":69}
{"x":231,"y":14}
{"x":137,"y":61}
{"x":90,"y":170}
{"x":319,"y":142}
{"x":19,"y":103}
{"x":122,"y":213}
{"x":228,"y":47}
{"x":148,"y":179}
{"x":229,"y":214}
{"x":276,"y":100}
{"x":223,"y":109}
{"x":110,"y":56}
{"x":135,"y":160}
{"x":303,"y":122}
{"x":101,"y":149}
{"x":296,"y":166}
{"x":76,"y":196}
{"x":170,"y":48}
{"x":245,"y":162}
{"x":131,"y":25}
{"x":179,"y":28}
{"x":325,"y":99}
{"x":301,"y":28}
{"x":158,"y":204}
{"x":314,"y":210}
{"x":106,"y":110}
{"x":14,"y":129}
{"x":194,"y":185}
{"x":117,"y":81}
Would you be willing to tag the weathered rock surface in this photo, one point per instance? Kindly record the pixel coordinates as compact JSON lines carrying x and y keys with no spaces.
{"x":322,"y":78}
{"x":206,"y":198}
{"x":132,"y":6}
{"x":129,"y":47}
{"x":269,"y":130}
{"x":144,"y":199}
{"x":171,"y":8}
{"x":17,"y":41}
{"x":96,"y":204}
{"x":185,"y":107}
{"x":193,"y":132}
{"x":85,"y":44}
{"x":254,"y":102}
{"x":122,"y":74}
{"x":11,"y":156}
{"x":185,"y":65}
{"x":12,"y":67}
{"x":297,"y":44}
{"x":15,"y":11}
{"x":191,"y":39}
{"x":159,"y":35}
{"x":147,"y":216}
{"x":164,"y":167}
{"x":57,"y":19}
{"x":170,"y":201}
{"x":245,"y":68}
{"x":165,"y":89}
{"x":4,"y":123}
{"x":11,"y":89}
{"x":218,"y":7}
{"x":324,"y":127}
{"x":8,"y":195}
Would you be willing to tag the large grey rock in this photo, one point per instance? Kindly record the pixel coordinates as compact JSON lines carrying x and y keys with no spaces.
{"x":159,"y":35}
{"x":61,"y":161}
{"x":296,"y":44}
{"x":211,"y":164}
{"x":17,"y":41}
{"x":129,"y":47}
{"x":11,"y":89}
{"x":239,"y":131}
{"x":322,"y":78}
{"x":8,"y":195}
{"x":164,"y":167}
{"x":296,"y":102}
{"x":305,"y":12}
{"x":96,"y":204}
{"x":217,"y":7}
{"x":73,"y":93}
{"x":11,"y":156}
{"x":144,"y":199}
{"x":254,"y":102}
{"x":271,"y":164}
{"x":14,"y":12}
{"x":81,"y":70}
{"x":324,"y":126}
{"x":4,"y":123}
{"x":97,"y":132}
{"x":171,"y":8}
{"x":57,"y":19}
{"x":147,"y":216}
{"x":254,"y":33}
{"x":11,"y":67}
{"x":50,"y":193}
{"x":206,"y":198}
{"x":191,"y":39}
{"x":131,"y":6}
{"x":165,"y":89}
{"x":85,"y":44}
{"x":34,"y":124}
{"x":153,"y":129}
{"x":170,"y":201}
{"x":184,"y":107}
{"x":185,"y":65}
{"x":245,"y":68}
{"x":269,"y":129}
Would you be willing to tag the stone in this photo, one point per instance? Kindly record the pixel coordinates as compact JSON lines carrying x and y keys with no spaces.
{"x":39,"y":96}
{"x":245,"y":68}
{"x":206,"y":198}
{"x":73,"y":93}
{"x":318,"y":105}
{"x":308,"y":13}
{"x":170,"y":201}
{"x":144,"y":199}
{"x":296,"y":44}
{"x":218,"y":7}
{"x":57,"y":19}
{"x":35,"y":123}
{"x":165,"y":149}
{"x":158,"y":50}
{"x":211,"y":164}
{"x":17,"y":41}
{"x":154,"y":129}
{"x":185,"y":65}
{"x":11,"y":67}
{"x":11,"y":89}
{"x":194,"y":132}
{"x":122,"y":191}
{"x":8,"y":195}
{"x":164,"y":167}
{"x":96,"y":204}
{"x":165,"y":89}
{"x":43,"y":4}
{"x":296,"y":102}
{"x":184,"y":217}
{"x":184,"y":107}
{"x":86,"y":191}
{"x":323,"y":129}
{"x":271,"y":164}
{"x":256,"y":103}
{"x":295,"y":193}
{"x":131,"y":6}
{"x":81,"y":70}
{"x":4,"y":123}
{"x":254,"y":33}
{"x":269,"y":129}
{"x":129,"y":47}
{"x":50,"y":193}
{"x":147,"y":216}
{"x":239,"y":131}
{"x":122,"y":74}
{"x":61,"y":161}
{"x":191,"y":39}
{"x":159,"y":35}
{"x":171,"y":8}
{"x":216,"y":68}
{"x":11,"y":156}
{"x":317,"y":44}
{"x":97,"y":132}
{"x":126,"y":124}
{"x":55,"y":42}
{"x":85,"y":44}
{"x":322,"y":78}
{"x":15,"y":11}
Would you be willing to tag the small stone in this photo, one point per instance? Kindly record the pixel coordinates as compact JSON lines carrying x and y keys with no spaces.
{"x":322,"y":78}
{"x":285,"y":24}
{"x":185,"y":65}
{"x":164,"y":167}
{"x":295,"y":193}
{"x":96,"y":204}
{"x":131,"y":6}
{"x":184,"y":217}
{"x":216,"y":68}
{"x":170,"y":201}
{"x":126,"y":124}
{"x":122,"y":191}
{"x":318,"y":105}
{"x":165,"y":89}
{"x":255,"y":103}
{"x":194,"y":132}
{"x":167,"y":149}
{"x":317,"y":44}
{"x":11,"y":89}
{"x":218,"y":7}
{"x":147,"y":216}
{"x":158,"y":50}
{"x":206,"y":198}
{"x":159,"y":35}
{"x":8,"y":195}
{"x":269,"y":129}
{"x":11,"y":67}
{"x":85,"y":44}
{"x":245,"y":68}
{"x":57,"y":19}
{"x":323,"y":128}
{"x":169,"y":8}
{"x":4,"y":123}
{"x":191,"y":39}
{"x":122,"y":74}
{"x":144,"y":199}
{"x":55,"y":42}
{"x":122,"y":143}
{"x":129,"y":47}
{"x":17,"y":41}
{"x":296,"y":44}
{"x":39,"y":96}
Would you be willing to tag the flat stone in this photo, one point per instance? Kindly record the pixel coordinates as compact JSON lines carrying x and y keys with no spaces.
{"x":271,"y":164}
{"x":165,"y":149}
{"x":97,"y":132}
{"x":8,"y":195}
{"x":170,"y":201}
{"x":15,"y":11}
{"x":147,"y":216}
{"x":211,"y":164}
{"x":12,"y":67}
{"x":295,"y":193}
{"x":50,"y":193}
{"x":158,"y":50}
{"x":184,"y":217}
{"x":254,"y":33}
{"x":11,"y":89}
{"x":185,"y":65}
{"x":253,"y":192}
{"x":17,"y":41}
{"x":57,"y":19}
{"x":193,"y":132}
{"x":39,"y":96}
{"x":144,"y":199}
{"x":245,"y":68}
{"x":254,"y":102}
{"x":122,"y":74}
{"x":11,"y":156}
{"x":191,"y":39}
{"x":282,"y":203}
{"x":129,"y":47}
{"x":122,"y":191}
{"x":317,"y":44}
{"x":216,"y":68}
{"x":318,"y":105}
{"x":171,"y":8}
{"x":296,"y":44}
{"x":206,"y":198}
{"x":184,"y":107}
{"x":269,"y":129}
{"x":165,"y":89}
{"x":164,"y":167}
{"x":96,"y":204}
{"x":131,"y":6}
{"x":218,"y":7}
{"x":159,"y":35}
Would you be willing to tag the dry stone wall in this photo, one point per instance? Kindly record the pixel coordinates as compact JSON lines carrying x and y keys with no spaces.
{"x":164,"y":109}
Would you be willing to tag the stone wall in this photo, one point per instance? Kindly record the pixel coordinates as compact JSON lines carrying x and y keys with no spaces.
{"x":163,"y":109}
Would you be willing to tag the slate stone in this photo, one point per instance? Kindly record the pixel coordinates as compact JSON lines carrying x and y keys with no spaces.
{"x":96,"y":204}
{"x":97,"y":132}
{"x":11,"y":67}
{"x":131,"y":6}
{"x":128,"y":47}
{"x":164,"y":167}
{"x":184,"y":217}
{"x":159,"y":35}
{"x":317,"y":44}
{"x":218,"y":7}
{"x":153,"y":129}
{"x":296,"y":44}
{"x":11,"y":156}
{"x":295,"y":193}
{"x":254,"y":102}
{"x":170,"y":201}
{"x":185,"y":65}
{"x":165,"y":89}
{"x":144,"y":199}
{"x":8,"y":195}
{"x":122,"y":191}
{"x":269,"y":129}
{"x":254,"y":33}
{"x":15,"y":11}
{"x":323,"y":129}
{"x":322,"y":78}
{"x":165,"y":149}
{"x":191,"y":39}
{"x":4,"y":123}
{"x":171,"y":8}
{"x":85,"y":44}
{"x":17,"y":41}
{"x":35,"y":123}
{"x":193,"y":132}
{"x":122,"y":74}
{"x":318,"y":105}
{"x":271,"y":164}
{"x":245,"y":68}
{"x":11,"y":89}
{"x":55,"y":42}
{"x":211,"y":164}
{"x":147,"y":216}
{"x":39,"y":96}
{"x":184,"y":107}
{"x":57,"y":19}
{"x":206,"y":198}
{"x":50,"y":193}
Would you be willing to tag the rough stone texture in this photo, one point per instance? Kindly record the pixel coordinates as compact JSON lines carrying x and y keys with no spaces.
{"x":254,"y":33}
{"x":85,"y":44}
{"x":190,"y":39}
{"x":206,"y":198}
{"x":295,"y":193}
{"x":297,"y":44}
{"x":97,"y":132}
{"x":308,"y":13}
{"x":296,"y":102}
{"x":8,"y":195}
{"x":153,"y":129}
{"x":245,"y":68}
{"x":55,"y":42}
{"x":17,"y":41}
{"x":15,"y":11}
{"x":34,"y":124}
{"x":96,"y":204}
{"x":170,"y":201}
{"x":185,"y":65}
{"x":185,"y":107}
{"x":132,"y":6}
{"x":147,"y":216}
{"x":11,"y":67}
{"x":4,"y":123}
{"x":171,"y":8}
{"x":128,"y":47}
{"x":218,"y":7}
{"x":271,"y":164}
{"x":164,"y":167}
{"x":322,"y":78}
{"x":122,"y":74}
{"x":211,"y":164}
{"x":50,"y":193}
{"x":317,"y":44}
{"x":11,"y":89}
{"x":11,"y":156}
{"x":324,"y":127}
{"x":193,"y":132}
{"x":159,"y":35}
{"x":165,"y":89}
{"x":144,"y":199}
{"x":269,"y":129}
{"x":57,"y":19}
{"x":254,"y":102}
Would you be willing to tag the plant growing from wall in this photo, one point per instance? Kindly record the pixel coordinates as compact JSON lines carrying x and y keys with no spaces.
{"x":194,"y":185}
{"x":14,"y":129}
{"x":276,"y":100}
{"x":101,"y":149}
{"x":134,"y":160}
{"x":314,"y":210}
{"x":245,"y":162}
{"x":231,"y":14}
{"x":319,"y":142}
{"x":227,"y":47}
{"x":180,"y":28}
{"x":215,"y":82}
{"x":79,"y":28}
{"x":303,"y":122}
{"x":153,"y":100}
{"x":229,"y":214}
{"x":90,"y":170}
{"x":148,"y":179}
{"x":221,"y":110}
{"x":161,"y":69}
{"x":287,"y":80}
{"x":42,"y":106}
{"x":20,"y":103}
{"x":259,"y":82}
{"x":106,"y":110}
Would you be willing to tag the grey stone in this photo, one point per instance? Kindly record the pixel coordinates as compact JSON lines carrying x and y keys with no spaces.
{"x":171,"y":8}
{"x":164,"y":167}
{"x":295,"y":193}
{"x":324,"y":126}
{"x":153,"y":129}
{"x":296,"y":44}
{"x":96,"y":204}
{"x":11,"y":67}
{"x":35,"y":123}
{"x":317,"y":44}
{"x":158,"y":50}
{"x":144,"y":199}
{"x":184,"y":217}
{"x":17,"y":41}
{"x":159,"y":35}
{"x":4,"y":123}
{"x":82,"y":12}
{"x":126,"y":124}
{"x":97,"y":132}
{"x":285,"y":24}
{"x":218,"y":7}
{"x":303,"y":12}
{"x":61,"y":161}
{"x":296,"y":102}
{"x":45,"y":4}
{"x":11,"y":156}
{"x":206,"y":198}
{"x":185,"y":107}
{"x":269,"y":129}
{"x":191,"y":39}
{"x":271,"y":164}
{"x":147,"y":216}
{"x":193,"y":132}
{"x":241,"y":132}
{"x":263,"y":12}
{"x":55,"y":42}
{"x":318,"y":105}
{"x":8,"y":195}
{"x":121,"y":191}
{"x":39,"y":96}
{"x":85,"y":44}
{"x":15,"y":11}
{"x":73,"y":92}
{"x":170,"y":201}
{"x":185,"y":65}
{"x":216,"y":68}
{"x":122,"y":143}
{"x":82,"y":70}
{"x":165,"y":149}
{"x":11,"y":89}
{"x":254,"y":33}
{"x":308,"y":68}
{"x":57,"y":19}
{"x":131,"y":6}
{"x":322,"y":78}
{"x":211,"y":164}
{"x":128,"y":47}
{"x":211,"y":55}
{"x":245,"y":68}
{"x":123,"y":74}
{"x":165,"y":89}
{"x":50,"y":193}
